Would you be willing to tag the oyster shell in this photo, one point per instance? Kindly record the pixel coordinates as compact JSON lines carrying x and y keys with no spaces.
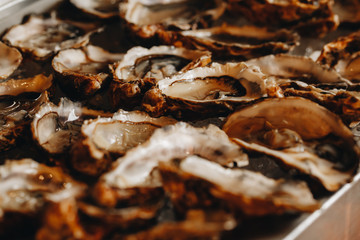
{"x":348,"y":11}
{"x":15,"y":115}
{"x":142,"y":68}
{"x":10,"y":59}
{"x":196,"y":182}
{"x":56,"y":128}
{"x":197,"y":224}
{"x":82,"y":72}
{"x":342,"y":54}
{"x":103,"y":139}
{"x":209,"y":90}
{"x":299,"y":68}
{"x":307,"y":137}
{"x":101,"y":9}
{"x":27,"y":185}
{"x":136,"y":171}
{"x":301,"y":15}
{"x":233,"y":41}
{"x":181,"y":14}
{"x":42,"y":37}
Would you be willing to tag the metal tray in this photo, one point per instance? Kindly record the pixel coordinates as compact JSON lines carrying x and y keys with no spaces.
{"x":338,"y":218}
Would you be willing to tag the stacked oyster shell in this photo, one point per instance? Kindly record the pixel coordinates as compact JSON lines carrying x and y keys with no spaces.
{"x":137,"y":119}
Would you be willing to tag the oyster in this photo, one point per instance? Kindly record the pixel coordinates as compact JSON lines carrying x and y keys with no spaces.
{"x":299,"y":68}
{"x":342,"y":54}
{"x":301,"y":15}
{"x":101,"y":9}
{"x":209,"y":90}
{"x":233,"y":41}
{"x":196,"y":182}
{"x":135,"y":173}
{"x":102,"y":139}
{"x":142,"y":68}
{"x":15,"y":115}
{"x":27,"y":185}
{"x":307,"y":137}
{"x":42,"y":37}
{"x":56,"y":128}
{"x":180,"y":14}
{"x":83,"y":71}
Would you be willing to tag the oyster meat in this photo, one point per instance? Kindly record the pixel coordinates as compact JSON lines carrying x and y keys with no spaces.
{"x":307,"y":137}
{"x":212,"y":90}
{"x":103,"y":139}
{"x":83,"y":71}
{"x":137,"y":168}
{"x":27,"y":185}
{"x":56,"y":128}
{"x":42,"y":37}
{"x":180,"y":14}
{"x":232,"y":41}
{"x":195,"y":182}
{"x":142,"y":68}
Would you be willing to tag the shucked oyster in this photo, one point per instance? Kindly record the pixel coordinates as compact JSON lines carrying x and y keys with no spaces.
{"x":213,"y":90}
{"x":83,"y":71}
{"x":56,"y":128}
{"x":232,"y":41}
{"x":44,"y":36}
{"x":181,"y":14}
{"x":101,"y":9}
{"x":142,"y":68}
{"x":134,"y":176}
{"x":310,"y":17}
{"x":342,"y":54}
{"x":195,"y":182}
{"x":307,"y":137}
{"x":298,"y":68}
{"x":102,"y":139}
{"x":27,"y":185}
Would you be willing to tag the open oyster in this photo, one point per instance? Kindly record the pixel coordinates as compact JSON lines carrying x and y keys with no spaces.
{"x":103,"y":139}
{"x":15,"y":115}
{"x":180,"y":14}
{"x":307,"y":137}
{"x":212,"y":90}
{"x":284,"y":66}
{"x":233,"y":41}
{"x":195,"y":182}
{"x":301,"y":15}
{"x":142,"y":68}
{"x":342,"y":54}
{"x":42,"y":37}
{"x":134,"y":176}
{"x":27,"y":185}
{"x":101,"y":9}
{"x":56,"y":128}
{"x":83,"y":71}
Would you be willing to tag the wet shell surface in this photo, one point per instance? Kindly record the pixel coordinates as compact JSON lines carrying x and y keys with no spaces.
{"x":204,"y":89}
